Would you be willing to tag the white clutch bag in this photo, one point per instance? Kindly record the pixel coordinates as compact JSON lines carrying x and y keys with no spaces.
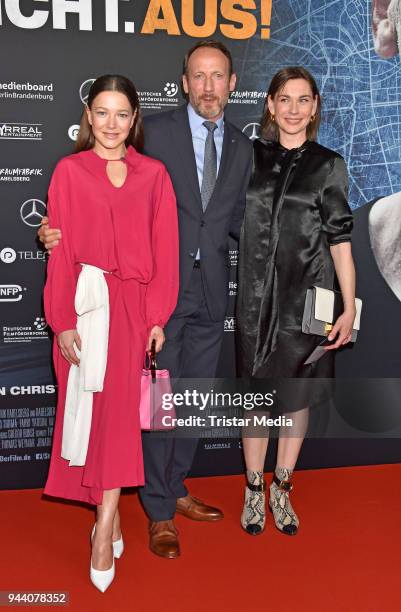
{"x":322,"y":308}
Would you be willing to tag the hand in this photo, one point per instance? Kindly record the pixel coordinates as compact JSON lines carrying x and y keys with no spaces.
{"x":48,"y":237}
{"x":157,"y":334}
{"x":342,"y":327}
{"x":379,"y":9}
{"x":66,"y":340}
{"x":384,"y":34}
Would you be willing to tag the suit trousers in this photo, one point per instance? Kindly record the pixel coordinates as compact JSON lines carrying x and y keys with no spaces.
{"x":191,"y":350}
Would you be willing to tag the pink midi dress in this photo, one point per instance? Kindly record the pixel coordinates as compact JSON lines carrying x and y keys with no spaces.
{"x":132,"y":233}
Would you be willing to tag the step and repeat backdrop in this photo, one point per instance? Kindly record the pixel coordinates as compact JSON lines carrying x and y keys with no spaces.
{"x":52,"y":50}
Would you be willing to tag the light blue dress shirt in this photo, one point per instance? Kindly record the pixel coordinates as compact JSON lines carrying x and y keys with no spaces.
{"x":199,"y":135}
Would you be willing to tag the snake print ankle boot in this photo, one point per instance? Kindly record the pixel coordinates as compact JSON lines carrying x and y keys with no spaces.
{"x":253,"y":516}
{"x":279,"y":502}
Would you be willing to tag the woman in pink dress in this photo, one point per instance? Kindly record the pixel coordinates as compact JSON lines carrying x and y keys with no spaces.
{"x":127,"y":201}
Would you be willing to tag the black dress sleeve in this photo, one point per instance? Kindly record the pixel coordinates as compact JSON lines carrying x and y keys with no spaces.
{"x":335,"y":211}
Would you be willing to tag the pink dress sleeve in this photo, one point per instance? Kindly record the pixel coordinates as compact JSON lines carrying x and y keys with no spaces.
{"x":59,"y":292}
{"x":162,"y":291}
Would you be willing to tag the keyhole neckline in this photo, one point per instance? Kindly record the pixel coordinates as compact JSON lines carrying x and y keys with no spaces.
{"x":105,"y":162}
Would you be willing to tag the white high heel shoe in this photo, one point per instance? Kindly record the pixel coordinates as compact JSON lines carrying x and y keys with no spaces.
{"x":118,"y":545}
{"x":101,"y":579}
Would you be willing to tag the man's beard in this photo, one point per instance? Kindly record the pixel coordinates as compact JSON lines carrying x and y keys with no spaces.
{"x":209,"y":112}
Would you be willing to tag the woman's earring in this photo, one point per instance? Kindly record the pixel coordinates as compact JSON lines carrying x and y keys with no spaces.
{"x":272,"y":117}
{"x":312,"y":118}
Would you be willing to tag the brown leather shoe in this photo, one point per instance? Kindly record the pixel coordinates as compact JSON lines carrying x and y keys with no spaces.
{"x":163,"y":539}
{"x":195,"y":509}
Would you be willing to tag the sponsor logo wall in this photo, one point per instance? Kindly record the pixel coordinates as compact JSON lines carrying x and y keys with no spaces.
{"x":42,"y":94}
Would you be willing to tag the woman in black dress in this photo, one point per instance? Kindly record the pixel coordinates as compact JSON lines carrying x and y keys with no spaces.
{"x":296,"y":234}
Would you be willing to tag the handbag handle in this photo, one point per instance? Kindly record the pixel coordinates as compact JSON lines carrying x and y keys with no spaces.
{"x":153,"y":364}
{"x":150,"y":361}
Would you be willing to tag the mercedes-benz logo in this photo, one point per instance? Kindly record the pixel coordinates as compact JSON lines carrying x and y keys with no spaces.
{"x":32,"y":211}
{"x":84,"y":90}
{"x":252,"y":130}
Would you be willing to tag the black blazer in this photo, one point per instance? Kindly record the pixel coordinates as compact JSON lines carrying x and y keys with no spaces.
{"x":168,"y":138}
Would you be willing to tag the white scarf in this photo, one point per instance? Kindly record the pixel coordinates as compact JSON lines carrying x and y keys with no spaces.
{"x":92,"y":308}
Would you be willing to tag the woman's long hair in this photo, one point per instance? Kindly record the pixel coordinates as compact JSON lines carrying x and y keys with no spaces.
{"x":269,"y":128}
{"x":111,"y":82}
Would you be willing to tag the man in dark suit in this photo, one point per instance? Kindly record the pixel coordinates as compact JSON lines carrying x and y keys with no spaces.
{"x":194,"y":333}
{"x":209,"y":161}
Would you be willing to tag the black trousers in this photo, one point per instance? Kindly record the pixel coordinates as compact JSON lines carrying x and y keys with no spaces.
{"x":191,"y":350}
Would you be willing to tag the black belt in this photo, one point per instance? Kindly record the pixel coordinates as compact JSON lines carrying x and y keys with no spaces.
{"x":197,"y":263}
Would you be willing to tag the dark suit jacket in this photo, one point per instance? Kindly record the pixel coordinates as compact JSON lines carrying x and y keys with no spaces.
{"x":168,"y":138}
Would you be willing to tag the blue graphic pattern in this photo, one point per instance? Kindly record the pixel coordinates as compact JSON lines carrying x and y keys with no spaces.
{"x":361,"y":92}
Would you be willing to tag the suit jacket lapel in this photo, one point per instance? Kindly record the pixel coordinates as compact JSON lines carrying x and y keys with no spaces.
{"x":182,"y":138}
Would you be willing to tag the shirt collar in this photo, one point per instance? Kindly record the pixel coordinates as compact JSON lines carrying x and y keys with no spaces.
{"x":195,"y":120}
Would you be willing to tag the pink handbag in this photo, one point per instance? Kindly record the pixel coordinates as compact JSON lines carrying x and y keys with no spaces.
{"x":156,"y":408}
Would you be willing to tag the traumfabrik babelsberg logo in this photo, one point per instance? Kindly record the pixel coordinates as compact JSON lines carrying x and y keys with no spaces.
{"x":19,"y":175}
{"x":21,"y":131}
